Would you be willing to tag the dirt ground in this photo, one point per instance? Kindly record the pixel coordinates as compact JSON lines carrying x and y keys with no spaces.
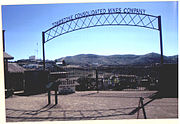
{"x":90,"y":105}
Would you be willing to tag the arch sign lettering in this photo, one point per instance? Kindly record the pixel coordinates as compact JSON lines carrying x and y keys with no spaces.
{"x":99,"y":11}
{"x":103,"y":17}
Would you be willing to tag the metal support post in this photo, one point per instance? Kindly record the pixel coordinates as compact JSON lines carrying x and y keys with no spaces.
{"x":43,"y":42}
{"x":3,"y":38}
{"x":142,"y":105}
{"x":3,"y":32}
{"x":5,"y":61}
{"x":160,"y":34}
{"x":56,"y":98}
{"x":97,"y":80}
{"x":49,"y":97}
{"x":138,"y":108}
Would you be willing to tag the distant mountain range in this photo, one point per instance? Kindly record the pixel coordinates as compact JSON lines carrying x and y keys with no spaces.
{"x":129,"y":59}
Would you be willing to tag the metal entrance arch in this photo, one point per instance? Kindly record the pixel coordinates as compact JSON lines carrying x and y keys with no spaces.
{"x":104,"y":19}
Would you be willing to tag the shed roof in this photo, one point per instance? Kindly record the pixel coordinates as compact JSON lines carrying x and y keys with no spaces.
{"x":7,"y":56}
{"x":15,"y":68}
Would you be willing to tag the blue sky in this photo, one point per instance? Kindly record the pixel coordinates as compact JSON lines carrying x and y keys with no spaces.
{"x":24,"y":25}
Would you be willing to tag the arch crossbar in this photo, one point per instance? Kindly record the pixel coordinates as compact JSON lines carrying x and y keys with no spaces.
{"x":105,"y":19}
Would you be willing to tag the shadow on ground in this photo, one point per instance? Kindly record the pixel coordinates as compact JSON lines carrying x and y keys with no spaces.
{"x":58,"y":113}
{"x":28,"y":93}
{"x":47,"y":112}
